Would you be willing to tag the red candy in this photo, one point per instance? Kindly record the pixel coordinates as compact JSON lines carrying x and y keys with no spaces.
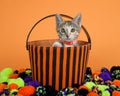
{"x":13,"y":86}
{"x":27,"y":90}
{"x":2,"y":86}
{"x":115,"y":93}
{"x":92,"y":94}
{"x":116,"y":82}
{"x":13,"y":76}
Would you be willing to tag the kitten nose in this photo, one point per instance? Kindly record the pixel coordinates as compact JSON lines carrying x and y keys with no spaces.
{"x":67,"y":35}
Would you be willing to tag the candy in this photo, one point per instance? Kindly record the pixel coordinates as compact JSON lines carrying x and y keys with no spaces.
{"x":89,"y":85}
{"x":3,"y":78}
{"x":40,"y":91}
{"x":13,"y":86}
{"x":34,"y":83}
{"x":105,"y":76}
{"x":116,"y":93}
{"x":6,"y":72}
{"x":2,"y":86}
{"x":13,"y":76}
{"x":13,"y":92}
{"x":67,"y":92}
{"x":92,"y":94}
{"x":83,"y":91}
{"x":27,"y":90}
{"x":105,"y":93}
{"x":116,"y":82}
{"x":18,"y":81}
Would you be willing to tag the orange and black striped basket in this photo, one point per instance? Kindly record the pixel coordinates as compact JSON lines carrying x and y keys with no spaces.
{"x":58,"y":67}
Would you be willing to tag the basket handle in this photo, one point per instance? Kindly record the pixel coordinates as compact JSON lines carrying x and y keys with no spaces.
{"x":86,"y":32}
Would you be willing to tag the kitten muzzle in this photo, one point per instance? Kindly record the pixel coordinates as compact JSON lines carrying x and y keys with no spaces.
{"x":70,"y":42}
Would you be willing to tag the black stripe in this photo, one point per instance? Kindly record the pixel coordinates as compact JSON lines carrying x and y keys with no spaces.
{"x":83,"y":64}
{"x":30,"y":56}
{"x":87,"y":50}
{"x":32,"y":64}
{"x":47,"y":64}
{"x":79,"y":60}
{"x":74,"y":66}
{"x":41,"y":65}
{"x":54,"y":67}
{"x":36,"y":62}
{"x":67,"y":66}
{"x":61,"y":67}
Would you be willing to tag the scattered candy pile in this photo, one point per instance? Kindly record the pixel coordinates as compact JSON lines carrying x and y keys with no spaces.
{"x":20,"y":83}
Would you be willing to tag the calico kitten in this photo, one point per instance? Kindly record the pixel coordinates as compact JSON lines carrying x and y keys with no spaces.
{"x":68,"y":31}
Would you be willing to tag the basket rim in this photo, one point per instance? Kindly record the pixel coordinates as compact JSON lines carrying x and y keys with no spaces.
{"x":36,"y":43}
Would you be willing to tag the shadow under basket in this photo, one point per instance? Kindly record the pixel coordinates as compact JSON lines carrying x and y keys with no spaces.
{"x":58,"y":67}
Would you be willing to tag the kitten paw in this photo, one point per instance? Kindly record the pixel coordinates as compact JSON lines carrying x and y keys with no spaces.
{"x":57,"y":44}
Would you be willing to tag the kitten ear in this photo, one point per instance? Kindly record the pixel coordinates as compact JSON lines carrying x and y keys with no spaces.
{"x":77,"y":19}
{"x":59,"y":19}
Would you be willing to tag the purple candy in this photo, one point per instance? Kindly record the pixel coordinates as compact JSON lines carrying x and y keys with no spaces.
{"x":34,"y":83}
{"x":27,"y":79}
{"x":2,"y":92}
{"x":105,"y":70}
{"x":6,"y":91}
{"x":105,"y":76}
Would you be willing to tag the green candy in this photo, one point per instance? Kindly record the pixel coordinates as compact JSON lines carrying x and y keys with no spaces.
{"x":90,"y":85}
{"x":105,"y":93}
{"x":28,"y":72}
{"x":6,"y":72}
{"x":19,"y":81}
{"x":12,"y":92}
{"x":40,"y":91}
{"x":3,"y":79}
{"x":102,"y":87}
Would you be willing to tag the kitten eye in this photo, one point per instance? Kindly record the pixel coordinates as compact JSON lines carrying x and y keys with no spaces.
{"x":63,"y":30}
{"x":73,"y":30}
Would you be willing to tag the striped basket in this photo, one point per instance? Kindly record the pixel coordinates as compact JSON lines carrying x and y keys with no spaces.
{"x":58,"y":67}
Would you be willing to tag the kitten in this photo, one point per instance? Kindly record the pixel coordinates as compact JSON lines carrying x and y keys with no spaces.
{"x":68,"y":31}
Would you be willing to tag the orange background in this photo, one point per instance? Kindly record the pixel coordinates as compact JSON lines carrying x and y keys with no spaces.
{"x":100,"y":17}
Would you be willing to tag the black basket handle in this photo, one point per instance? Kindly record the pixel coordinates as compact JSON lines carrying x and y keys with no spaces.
{"x":86,"y":32}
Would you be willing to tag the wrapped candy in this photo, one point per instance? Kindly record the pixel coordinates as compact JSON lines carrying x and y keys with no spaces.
{"x":40,"y":91}
{"x":67,"y":92}
{"x":27,"y":90}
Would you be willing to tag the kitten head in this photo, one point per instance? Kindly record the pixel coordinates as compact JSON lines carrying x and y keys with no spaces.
{"x":68,"y":30}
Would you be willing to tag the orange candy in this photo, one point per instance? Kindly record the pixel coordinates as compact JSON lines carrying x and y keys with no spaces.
{"x":92,"y":94}
{"x":83,"y":87}
{"x":27,"y":90}
{"x":13,"y":86}
{"x":18,"y":95}
{"x":2,"y":86}
{"x":14,"y":76}
{"x":116,"y":82}
{"x":22,"y":70}
{"x":116,"y":93}
{"x":96,"y":74}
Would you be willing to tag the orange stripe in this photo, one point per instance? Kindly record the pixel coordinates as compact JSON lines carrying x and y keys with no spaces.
{"x":38,"y":52}
{"x":71,"y":66}
{"x":44,"y":65}
{"x":57,"y":68}
{"x":34,"y":63}
{"x":64,"y":68}
{"x":76,"y":67}
{"x":81,"y":64}
{"x":50,"y":66}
